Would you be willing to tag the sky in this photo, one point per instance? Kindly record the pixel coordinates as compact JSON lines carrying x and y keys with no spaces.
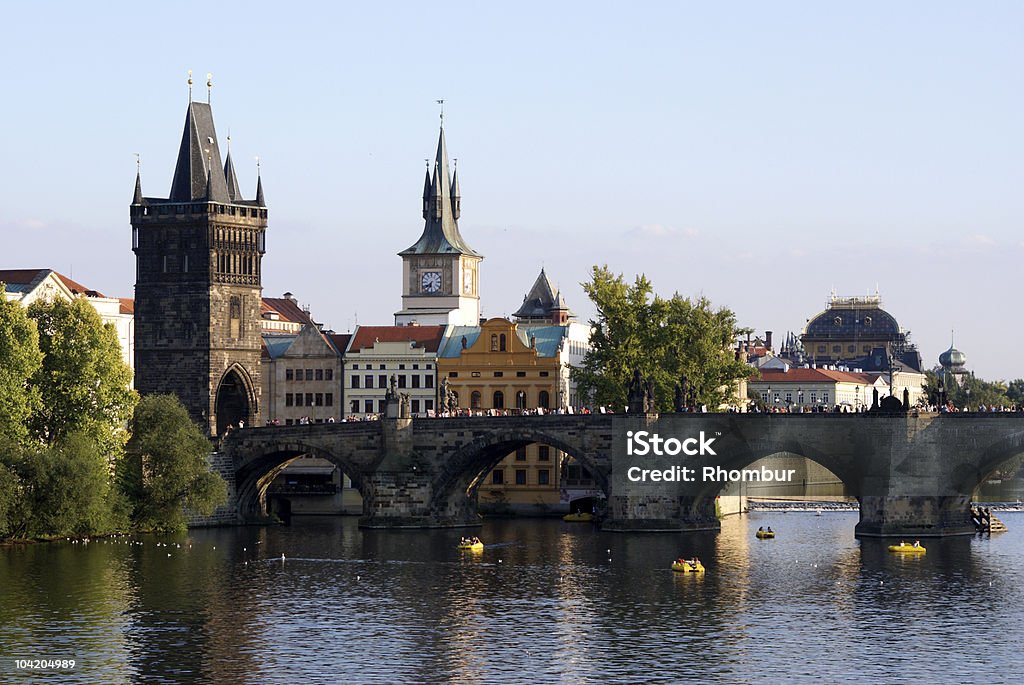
{"x":759,"y":154}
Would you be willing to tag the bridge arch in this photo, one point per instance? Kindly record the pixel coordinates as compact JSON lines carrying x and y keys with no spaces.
{"x":456,"y":485}
{"x":1007,"y":451}
{"x":254,"y":476}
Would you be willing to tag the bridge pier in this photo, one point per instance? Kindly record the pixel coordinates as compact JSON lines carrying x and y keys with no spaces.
{"x":660,"y":513}
{"x":915,"y":516}
{"x":405,"y":499}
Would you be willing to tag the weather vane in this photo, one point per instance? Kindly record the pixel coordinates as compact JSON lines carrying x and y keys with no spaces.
{"x":138,"y":162}
{"x":209,"y":87}
{"x":190,"y":85}
{"x":441,"y":102}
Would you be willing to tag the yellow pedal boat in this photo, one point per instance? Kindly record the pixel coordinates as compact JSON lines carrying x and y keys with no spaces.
{"x":686,"y":567}
{"x":904,"y":548}
{"x":472,"y":546}
{"x":579,"y":517}
{"x":765,"y":534}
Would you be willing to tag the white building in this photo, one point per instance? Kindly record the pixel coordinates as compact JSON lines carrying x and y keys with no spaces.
{"x":376,"y":353}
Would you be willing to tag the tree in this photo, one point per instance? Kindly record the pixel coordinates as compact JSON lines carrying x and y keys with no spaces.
{"x":10,"y":500}
{"x":83,"y":382}
{"x":20,"y":359}
{"x":67,"y":489}
{"x":1015,"y":391}
{"x":663,"y":339}
{"x":165,"y":471}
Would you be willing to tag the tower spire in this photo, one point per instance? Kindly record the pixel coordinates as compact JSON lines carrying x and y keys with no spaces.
{"x":138,"y":199}
{"x":234,"y":191}
{"x":259,"y":186}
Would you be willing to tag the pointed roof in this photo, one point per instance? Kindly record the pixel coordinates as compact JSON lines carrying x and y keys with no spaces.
{"x":441,"y":229}
{"x":234,"y":192}
{"x":539,"y":301}
{"x":260,"y":202}
{"x":196,"y":155}
{"x":138,"y":199}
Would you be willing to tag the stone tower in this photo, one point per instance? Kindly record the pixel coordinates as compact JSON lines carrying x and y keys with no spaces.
{"x":441,"y":272}
{"x":197,"y":284}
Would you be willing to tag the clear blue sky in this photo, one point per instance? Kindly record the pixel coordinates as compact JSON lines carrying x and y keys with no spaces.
{"x":757,"y":153}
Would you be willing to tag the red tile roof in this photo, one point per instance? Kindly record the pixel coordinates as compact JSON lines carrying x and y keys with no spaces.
{"x":795,"y":375}
{"x":286,"y":308}
{"x":340,"y":341}
{"x":127,"y":305}
{"x":427,"y":337}
{"x":29,"y":276}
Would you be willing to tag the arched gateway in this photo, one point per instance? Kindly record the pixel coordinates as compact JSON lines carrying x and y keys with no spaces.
{"x":914,"y":475}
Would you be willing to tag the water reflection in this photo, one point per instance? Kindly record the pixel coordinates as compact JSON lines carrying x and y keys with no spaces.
{"x":545,"y":601}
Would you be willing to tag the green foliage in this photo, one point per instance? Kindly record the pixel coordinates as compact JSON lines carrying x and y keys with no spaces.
{"x":20,"y":359}
{"x":10,"y":501}
{"x":662,"y":338}
{"x":971,"y":392}
{"x":67,"y":489}
{"x":83,"y":382}
{"x":165,"y":471}
{"x":1015,"y":391}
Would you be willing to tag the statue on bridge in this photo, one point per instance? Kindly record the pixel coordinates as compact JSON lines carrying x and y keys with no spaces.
{"x":392,"y":391}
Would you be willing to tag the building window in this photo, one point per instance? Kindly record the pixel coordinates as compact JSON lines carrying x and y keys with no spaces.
{"x":401,"y":380}
{"x":309,"y":399}
{"x":415,"y":380}
{"x":319,"y":399}
{"x":501,"y":343}
{"x":521,"y":454}
{"x":837,"y":348}
{"x":380,"y":368}
{"x":824,"y":397}
{"x":415,"y":406}
{"x":520,"y":374}
{"x":329,"y":399}
{"x":814,"y":398}
{"x":544,"y":399}
{"x":499,"y":374}
{"x":789,"y":398}
{"x":382,"y":380}
{"x":309,"y":374}
{"x":453,"y":374}
{"x":851,"y":349}
{"x":428,"y":405}
{"x":428,"y":381}
{"x":328,"y":374}
{"x":415,"y":367}
{"x":475,"y":374}
{"x":319,"y":374}
{"x":298,"y":399}
{"x":288,"y":399}
{"x":543,"y":476}
{"x":494,"y":337}
{"x":368,"y":381}
{"x":355,"y":406}
{"x":543,"y":374}
{"x":355,"y":381}
{"x":368,"y":406}
{"x":474,"y":400}
{"x":764,"y":397}
{"x":498,"y":477}
{"x":298,"y":375}
{"x":499,"y":400}
{"x":543,"y":453}
{"x":520,"y":476}
{"x":355,"y":367}
{"x":401,"y":367}
{"x":776,"y":398}
{"x":288,"y":375}
{"x":821,"y":348}
{"x":521,"y":400}
{"x":430,"y":366}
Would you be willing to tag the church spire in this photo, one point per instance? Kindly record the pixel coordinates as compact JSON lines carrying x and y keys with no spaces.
{"x":138,"y":199}
{"x":260,"y":202}
{"x":456,"y":195}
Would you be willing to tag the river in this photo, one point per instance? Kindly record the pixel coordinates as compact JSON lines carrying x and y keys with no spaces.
{"x":545,"y":602}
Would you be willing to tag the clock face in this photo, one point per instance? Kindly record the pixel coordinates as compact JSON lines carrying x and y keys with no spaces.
{"x":430,"y":281}
{"x":467,"y":281}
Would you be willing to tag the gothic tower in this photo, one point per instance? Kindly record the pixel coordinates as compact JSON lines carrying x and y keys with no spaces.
{"x":440,"y":273}
{"x":197,"y":284}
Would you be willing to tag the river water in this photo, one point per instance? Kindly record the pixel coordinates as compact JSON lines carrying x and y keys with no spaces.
{"x":545,"y":602}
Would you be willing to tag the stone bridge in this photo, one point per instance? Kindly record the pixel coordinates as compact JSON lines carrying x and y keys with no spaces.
{"x":913,"y":475}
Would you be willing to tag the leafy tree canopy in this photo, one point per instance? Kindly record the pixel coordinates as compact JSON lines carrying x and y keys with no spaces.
{"x":665,"y":339}
{"x":165,"y":471}
{"x":20,"y":360}
{"x":83,"y":383}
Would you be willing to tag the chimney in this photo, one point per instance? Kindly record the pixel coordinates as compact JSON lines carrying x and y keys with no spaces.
{"x":768,"y":339}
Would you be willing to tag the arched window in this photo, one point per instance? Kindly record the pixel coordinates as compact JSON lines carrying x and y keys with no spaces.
{"x":521,"y":400}
{"x":501,"y":348}
{"x":544,"y":400}
{"x":474,"y":399}
{"x":494,"y":342}
{"x":499,"y":399}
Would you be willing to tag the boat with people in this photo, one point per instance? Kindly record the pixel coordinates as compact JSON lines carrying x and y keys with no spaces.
{"x":904,"y":548}
{"x":473,"y":544}
{"x":763,"y":534}
{"x":579,"y":517}
{"x":687,"y":565}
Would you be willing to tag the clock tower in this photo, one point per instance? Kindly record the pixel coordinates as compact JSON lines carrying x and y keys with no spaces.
{"x":440,"y":272}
